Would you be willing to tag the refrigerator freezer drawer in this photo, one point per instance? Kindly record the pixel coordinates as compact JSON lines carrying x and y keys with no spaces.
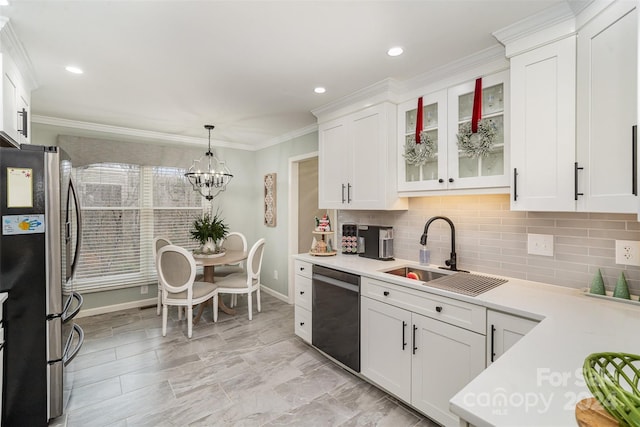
{"x":55,"y":372}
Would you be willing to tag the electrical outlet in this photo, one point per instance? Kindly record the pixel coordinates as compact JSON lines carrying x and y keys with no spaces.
{"x":540,"y":244}
{"x":627,"y":252}
{"x":275,"y":274}
{"x":144,"y":289}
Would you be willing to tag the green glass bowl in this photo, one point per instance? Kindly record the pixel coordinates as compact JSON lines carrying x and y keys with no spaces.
{"x":613,"y":380}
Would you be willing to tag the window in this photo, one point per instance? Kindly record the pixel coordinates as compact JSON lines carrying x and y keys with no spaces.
{"x":124,"y":207}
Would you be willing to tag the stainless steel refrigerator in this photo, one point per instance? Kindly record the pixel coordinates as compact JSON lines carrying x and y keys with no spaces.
{"x":39,"y":245}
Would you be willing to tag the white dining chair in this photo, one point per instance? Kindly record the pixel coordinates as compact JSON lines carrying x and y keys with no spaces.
{"x":176,"y":272}
{"x":234,"y":241}
{"x":158,"y":243}
{"x":248,"y":281}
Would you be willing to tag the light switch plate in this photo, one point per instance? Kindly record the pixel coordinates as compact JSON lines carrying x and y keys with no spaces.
{"x":627,"y":252}
{"x":540,"y":244}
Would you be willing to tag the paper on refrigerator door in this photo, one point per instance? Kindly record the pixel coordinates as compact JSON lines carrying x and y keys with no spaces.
{"x":22,"y":224}
{"x":19,"y":187}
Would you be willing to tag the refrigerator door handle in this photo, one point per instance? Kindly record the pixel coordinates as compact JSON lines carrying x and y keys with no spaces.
{"x":68,"y":354}
{"x":68,"y":316}
{"x":74,"y":263}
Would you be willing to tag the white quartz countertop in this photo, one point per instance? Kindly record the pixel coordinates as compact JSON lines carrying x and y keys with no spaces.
{"x":539,"y":380}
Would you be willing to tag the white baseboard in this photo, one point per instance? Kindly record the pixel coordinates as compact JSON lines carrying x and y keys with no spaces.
{"x":152,"y":302}
{"x":117,"y":307}
{"x":276,"y":294}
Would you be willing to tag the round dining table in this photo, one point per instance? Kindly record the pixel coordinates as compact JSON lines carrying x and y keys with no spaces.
{"x":209,"y":262}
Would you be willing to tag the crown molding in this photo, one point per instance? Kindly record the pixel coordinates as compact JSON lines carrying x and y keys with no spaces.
{"x":487,"y":61}
{"x":384,"y":90}
{"x":288,"y":136}
{"x":535,"y":23}
{"x":137,"y":133}
{"x":12,"y":45}
{"x":555,"y":23}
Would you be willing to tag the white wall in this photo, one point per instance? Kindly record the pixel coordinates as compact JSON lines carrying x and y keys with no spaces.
{"x":276,"y":159}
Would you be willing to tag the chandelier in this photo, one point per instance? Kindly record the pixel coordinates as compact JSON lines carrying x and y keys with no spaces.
{"x":212,"y":181}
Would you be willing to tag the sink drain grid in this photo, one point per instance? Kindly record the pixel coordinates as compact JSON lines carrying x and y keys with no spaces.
{"x":466,"y":283}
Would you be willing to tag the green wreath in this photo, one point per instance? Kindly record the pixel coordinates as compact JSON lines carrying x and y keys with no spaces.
{"x":477,"y":144}
{"x":419,"y":154}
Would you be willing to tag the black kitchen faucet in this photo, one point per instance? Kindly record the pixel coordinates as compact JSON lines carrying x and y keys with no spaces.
{"x":451,"y":262}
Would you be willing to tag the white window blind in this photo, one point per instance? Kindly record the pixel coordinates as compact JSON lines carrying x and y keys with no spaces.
{"x":124,"y":207}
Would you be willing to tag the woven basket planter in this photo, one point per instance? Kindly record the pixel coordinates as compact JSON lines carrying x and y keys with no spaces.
{"x":613,"y":380}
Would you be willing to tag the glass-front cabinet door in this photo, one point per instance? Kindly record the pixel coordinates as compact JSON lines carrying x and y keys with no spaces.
{"x":450,"y":157}
{"x":423,"y":166}
{"x":481,"y":159}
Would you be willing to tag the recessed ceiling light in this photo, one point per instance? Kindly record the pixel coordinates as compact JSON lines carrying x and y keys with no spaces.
{"x":74,"y":70}
{"x":395,"y":51}
{"x":319,"y":90}
{"x":4,"y":2}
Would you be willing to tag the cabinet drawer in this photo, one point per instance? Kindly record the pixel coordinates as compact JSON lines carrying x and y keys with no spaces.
{"x":303,"y":268}
{"x":459,"y":313}
{"x":302,"y":325}
{"x":303,"y":292}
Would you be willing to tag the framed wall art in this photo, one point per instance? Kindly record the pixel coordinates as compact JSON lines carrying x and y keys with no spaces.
{"x":270,"y":208}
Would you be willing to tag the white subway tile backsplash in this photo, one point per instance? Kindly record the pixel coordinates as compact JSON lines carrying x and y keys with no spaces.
{"x":492,"y":239}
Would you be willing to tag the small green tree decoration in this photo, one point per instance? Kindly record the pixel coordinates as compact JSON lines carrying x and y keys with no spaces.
{"x":597,"y":284}
{"x":622,"y":289}
{"x":208,"y":231}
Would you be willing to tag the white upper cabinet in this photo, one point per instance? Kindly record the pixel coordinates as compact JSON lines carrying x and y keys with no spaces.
{"x":448,"y":167}
{"x":15,"y":103}
{"x":431,"y":174}
{"x":607,"y":76}
{"x":15,"y":91}
{"x":486,"y":170}
{"x":543,"y":121}
{"x":574,"y":96}
{"x":357,"y":161}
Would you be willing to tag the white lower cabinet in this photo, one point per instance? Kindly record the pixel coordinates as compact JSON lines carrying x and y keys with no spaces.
{"x":302,"y":311}
{"x":445,"y":359}
{"x":503,"y":331}
{"x":419,"y":359}
{"x":385,"y":346}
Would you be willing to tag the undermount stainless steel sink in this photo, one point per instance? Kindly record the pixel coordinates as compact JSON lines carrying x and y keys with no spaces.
{"x":457,"y":282}
{"x":421,"y":275}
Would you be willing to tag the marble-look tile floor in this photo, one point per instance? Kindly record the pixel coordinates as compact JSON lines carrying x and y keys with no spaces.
{"x":233,"y":373}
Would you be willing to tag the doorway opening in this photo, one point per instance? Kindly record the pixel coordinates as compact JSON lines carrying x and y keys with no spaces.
{"x":303,"y":209}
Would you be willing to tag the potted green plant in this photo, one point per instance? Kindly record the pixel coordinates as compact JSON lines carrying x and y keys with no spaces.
{"x":208,"y":231}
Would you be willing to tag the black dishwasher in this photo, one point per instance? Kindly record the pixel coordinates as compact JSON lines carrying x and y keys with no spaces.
{"x":335,"y":315}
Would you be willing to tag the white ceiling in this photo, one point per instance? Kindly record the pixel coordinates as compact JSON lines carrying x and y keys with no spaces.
{"x":248,"y":67}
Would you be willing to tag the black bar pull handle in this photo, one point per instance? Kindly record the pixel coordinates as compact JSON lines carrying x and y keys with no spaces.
{"x":415,"y":328}
{"x":404,"y":341}
{"x":575,"y":177}
{"x":493,"y":335}
{"x":25,"y":122}
{"x":515,"y":184}
{"x":348,"y":193}
{"x":634,"y":160}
